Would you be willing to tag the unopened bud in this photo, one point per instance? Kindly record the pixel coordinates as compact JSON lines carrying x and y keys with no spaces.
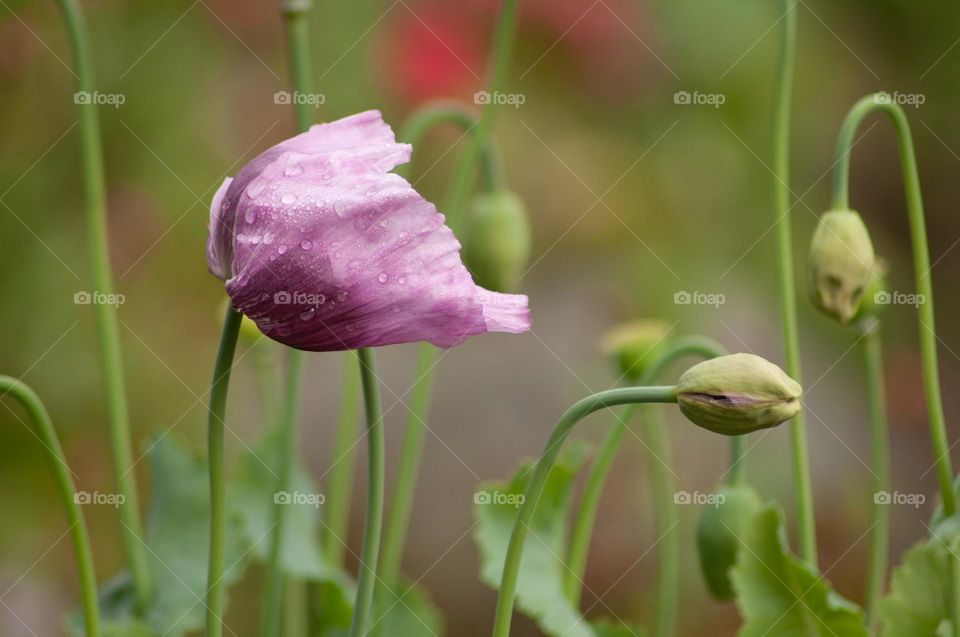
{"x":841,"y":264}
{"x":496,"y":244}
{"x":635,"y":344}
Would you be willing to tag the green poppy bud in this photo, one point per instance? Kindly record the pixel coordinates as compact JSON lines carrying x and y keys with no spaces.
{"x":737,"y":394}
{"x":873,"y":298}
{"x":497,"y":240}
{"x":841,"y":264}
{"x":635,"y":344}
{"x":718,"y":536}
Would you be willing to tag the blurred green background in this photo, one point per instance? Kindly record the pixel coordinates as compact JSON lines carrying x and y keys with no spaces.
{"x":634,"y":199}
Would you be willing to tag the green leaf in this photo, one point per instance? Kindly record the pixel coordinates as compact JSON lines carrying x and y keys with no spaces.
{"x":609,"y":628}
{"x":333,"y":608}
{"x":407,"y":612}
{"x":540,"y":584}
{"x":919,"y":598}
{"x":718,"y":536}
{"x":780,"y":595}
{"x":178,"y":527}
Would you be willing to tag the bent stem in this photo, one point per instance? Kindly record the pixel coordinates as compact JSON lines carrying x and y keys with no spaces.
{"x":921,"y":266}
{"x":880,"y":461}
{"x":785,"y":275}
{"x":61,"y":473}
{"x":111,"y":360}
{"x":375,"y":473}
{"x":576,"y":413}
{"x":218,"y":487}
{"x":663,"y":486}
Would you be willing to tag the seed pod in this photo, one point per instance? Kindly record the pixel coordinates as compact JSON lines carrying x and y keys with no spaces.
{"x":718,"y":536}
{"x":737,"y":394}
{"x":842,"y":264}
{"x":497,"y":240}
{"x":635,"y":344}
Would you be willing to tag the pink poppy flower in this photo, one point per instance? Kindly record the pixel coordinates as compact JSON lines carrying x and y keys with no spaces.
{"x":326,"y":250}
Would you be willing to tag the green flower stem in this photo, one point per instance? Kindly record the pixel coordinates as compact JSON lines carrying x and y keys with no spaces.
{"x":263,"y":363}
{"x":296,"y":14}
{"x":375,"y":476}
{"x":111,"y":359}
{"x":344,"y":460}
{"x":273,"y":589}
{"x":61,"y":473}
{"x":576,"y":413}
{"x":738,"y":470}
{"x":663,"y":485}
{"x":218,"y":488}
{"x":785,"y":276}
{"x":921,"y":266}
{"x":880,"y":461}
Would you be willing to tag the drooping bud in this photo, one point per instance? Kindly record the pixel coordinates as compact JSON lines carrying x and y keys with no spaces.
{"x":737,"y":394}
{"x":718,"y":536}
{"x":841,"y":264}
{"x":496,"y":243}
{"x":635,"y":344}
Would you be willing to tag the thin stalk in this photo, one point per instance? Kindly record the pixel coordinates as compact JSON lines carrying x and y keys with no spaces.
{"x":870,"y":342}
{"x":273,"y":589}
{"x":663,"y":487}
{"x":787,"y":284}
{"x":344,"y":461}
{"x":61,"y":474}
{"x":296,"y":613}
{"x":576,"y":413}
{"x":263,"y":363}
{"x":108,"y":330}
{"x":375,"y":474}
{"x":738,"y":470}
{"x":921,"y":266}
{"x":218,"y":487}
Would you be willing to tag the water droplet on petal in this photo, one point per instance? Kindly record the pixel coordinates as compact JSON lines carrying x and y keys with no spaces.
{"x":342,"y":295}
{"x":309,"y":314}
{"x":293,"y":170}
{"x":256,"y":187}
{"x":337,"y":255}
{"x":382,"y":277}
{"x":401,"y":280}
{"x":282,"y":249}
{"x":250,"y":215}
{"x":288,"y":199}
{"x":306,"y":245}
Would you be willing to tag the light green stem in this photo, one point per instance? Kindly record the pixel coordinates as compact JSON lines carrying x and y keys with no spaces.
{"x":375,"y":476}
{"x":111,"y":359}
{"x":880,"y":462}
{"x":663,"y":487}
{"x":218,"y":487}
{"x":738,"y":470}
{"x":579,"y":411}
{"x":921,"y":265}
{"x":344,"y":461}
{"x":296,"y":606}
{"x":274,"y":578}
{"x":61,"y":474}
{"x":787,"y":285}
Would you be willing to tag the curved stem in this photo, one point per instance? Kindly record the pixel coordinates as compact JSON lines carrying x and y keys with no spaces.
{"x":273,"y":590}
{"x":579,"y":411}
{"x":375,"y":473}
{"x":108,"y":331}
{"x":787,"y":285}
{"x":218,"y":488}
{"x":344,"y":461}
{"x":61,"y":473}
{"x":870,"y":341}
{"x":921,"y":265}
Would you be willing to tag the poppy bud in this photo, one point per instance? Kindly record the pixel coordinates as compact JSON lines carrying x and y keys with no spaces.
{"x":635,"y":345}
{"x":841,"y":264}
{"x":718,"y":536}
{"x":737,"y":394}
{"x":497,"y":240}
